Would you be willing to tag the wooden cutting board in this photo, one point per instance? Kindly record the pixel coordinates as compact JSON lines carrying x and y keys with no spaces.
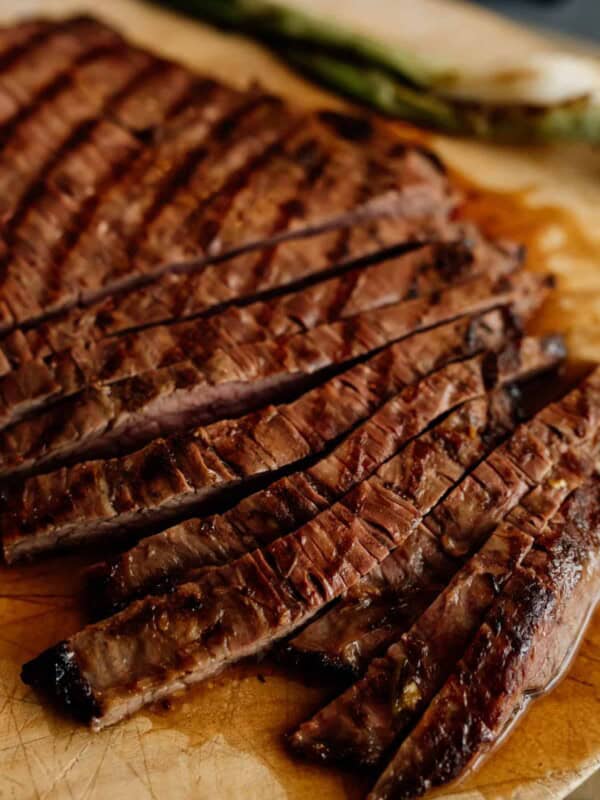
{"x":223,"y":741}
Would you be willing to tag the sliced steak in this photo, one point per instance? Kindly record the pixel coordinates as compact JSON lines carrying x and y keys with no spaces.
{"x":519,"y":650}
{"x":429,"y":269}
{"x":180,"y":296}
{"x":159,"y":645}
{"x":156,"y":484}
{"x":334,"y":408}
{"x":165,"y":558}
{"x":177,"y":205}
{"x":493,"y":491}
{"x":362,"y":724}
{"x":122,"y":416}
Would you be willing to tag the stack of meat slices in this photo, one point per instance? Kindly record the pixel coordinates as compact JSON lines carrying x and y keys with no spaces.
{"x":257,"y":347}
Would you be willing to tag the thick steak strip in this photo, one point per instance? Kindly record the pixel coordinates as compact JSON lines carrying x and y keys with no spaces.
{"x":518,"y":651}
{"x":163,"y":480}
{"x":429,"y":269}
{"x":117,"y":418}
{"x":165,"y":558}
{"x":160,"y":645}
{"x":362,"y":724}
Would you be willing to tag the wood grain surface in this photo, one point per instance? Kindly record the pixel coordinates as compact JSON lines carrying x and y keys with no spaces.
{"x":224,"y":740}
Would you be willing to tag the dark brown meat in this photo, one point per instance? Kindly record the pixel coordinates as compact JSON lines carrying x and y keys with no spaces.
{"x":518,"y":651}
{"x":156,"y":484}
{"x":293,"y":500}
{"x":431,"y":268}
{"x":362,"y":724}
{"x":160,"y":645}
{"x":124,"y":415}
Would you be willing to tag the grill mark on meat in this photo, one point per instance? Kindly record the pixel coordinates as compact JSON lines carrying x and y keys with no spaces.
{"x":192,"y":158}
{"x":516,"y":653}
{"x":18,"y":39}
{"x":155,"y":100}
{"x":280,"y":508}
{"x":41,"y":383}
{"x":62,"y":84}
{"x":134,"y":410}
{"x":187,"y":295}
{"x":386,"y":708}
{"x":36,"y":56}
{"x":250,"y":598}
{"x":315,"y":430}
{"x":114,"y":230}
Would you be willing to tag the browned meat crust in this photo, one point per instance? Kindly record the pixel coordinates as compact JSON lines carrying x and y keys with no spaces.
{"x":163,"y":559}
{"x":156,"y":484}
{"x":193,"y":186}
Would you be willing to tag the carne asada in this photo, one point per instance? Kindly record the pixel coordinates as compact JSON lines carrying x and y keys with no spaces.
{"x":165,"y":558}
{"x":431,"y":268}
{"x":363,"y":723}
{"x":334,"y":408}
{"x":128,"y":413}
{"x":157,"y":483}
{"x":521,"y":647}
{"x":159,"y":645}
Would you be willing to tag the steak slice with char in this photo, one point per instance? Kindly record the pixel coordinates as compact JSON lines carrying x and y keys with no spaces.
{"x":78,"y":504}
{"x":164,"y":559}
{"x":160,"y":645}
{"x":128,"y":413}
{"x":429,"y":269}
{"x":520,"y":649}
{"x":363,"y":723}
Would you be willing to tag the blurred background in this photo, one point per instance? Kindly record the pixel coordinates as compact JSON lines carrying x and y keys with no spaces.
{"x":574,"y":17}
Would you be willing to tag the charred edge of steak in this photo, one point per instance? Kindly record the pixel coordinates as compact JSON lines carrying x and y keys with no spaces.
{"x":316,"y":662}
{"x":56,"y":673}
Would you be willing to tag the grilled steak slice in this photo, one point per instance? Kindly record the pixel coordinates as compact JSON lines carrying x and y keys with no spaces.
{"x":165,"y":558}
{"x":119,"y":417}
{"x":159,"y":645}
{"x":363,"y":723}
{"x":159,"y":482}
{"x":518,"y":651}
{"x":241,"y":278}
{"x":411,"y":275}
